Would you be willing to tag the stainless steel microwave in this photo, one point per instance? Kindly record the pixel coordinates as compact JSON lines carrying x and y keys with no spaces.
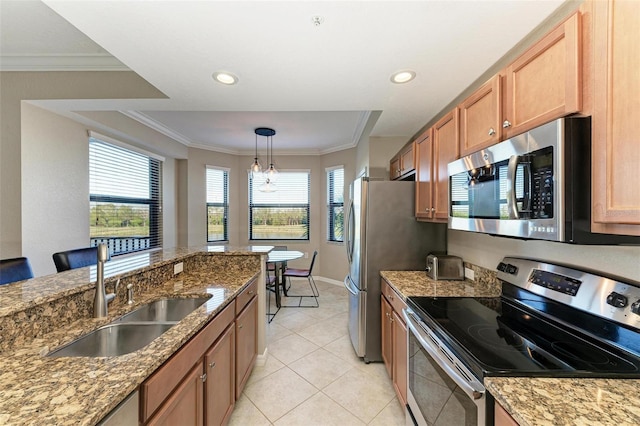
{"x":536,"y":185}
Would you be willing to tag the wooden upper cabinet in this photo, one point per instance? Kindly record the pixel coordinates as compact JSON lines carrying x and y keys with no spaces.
{"x":402,"y":163}
{"x":424,"y":175}
{"x":481,"y":117}
{"x":445,"y":150}
{"x":616,"y":114}
{"x":545,"y":82}
{"x":394,"y":168}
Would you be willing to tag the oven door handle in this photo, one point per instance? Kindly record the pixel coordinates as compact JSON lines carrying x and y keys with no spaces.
{"x":473,"y":390}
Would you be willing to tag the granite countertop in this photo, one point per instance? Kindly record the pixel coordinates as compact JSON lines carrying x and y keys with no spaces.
{"x":81,"y":391}
{"x":416,"y":283}
{"x":563,"y":401}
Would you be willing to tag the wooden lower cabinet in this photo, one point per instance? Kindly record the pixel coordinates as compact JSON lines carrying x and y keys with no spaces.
{"x":394,"y":340}
{"x":220,"y":386}
{"x":184,"y":406}
{"x":502,"y":418}
{"x":387,"y":343}
{"x":246,"y":343}
{"x":399,"y":370}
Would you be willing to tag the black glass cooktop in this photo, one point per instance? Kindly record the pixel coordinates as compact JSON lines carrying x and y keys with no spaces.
{"x":495,"y":336}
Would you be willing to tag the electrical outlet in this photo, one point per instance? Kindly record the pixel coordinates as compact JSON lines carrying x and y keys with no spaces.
{"x":468,"y":273}
{"x":177,"y":268}
{"x":306,"y":255}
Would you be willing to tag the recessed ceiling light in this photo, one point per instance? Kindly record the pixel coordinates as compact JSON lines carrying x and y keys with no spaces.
{"x":225,"y":78}
{"x":403,"y":76}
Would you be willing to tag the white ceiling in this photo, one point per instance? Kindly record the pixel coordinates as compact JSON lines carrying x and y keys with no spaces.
{"x":317,"y":86}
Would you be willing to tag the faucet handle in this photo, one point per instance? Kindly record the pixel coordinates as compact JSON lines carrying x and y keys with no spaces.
{"x":115,"y":289}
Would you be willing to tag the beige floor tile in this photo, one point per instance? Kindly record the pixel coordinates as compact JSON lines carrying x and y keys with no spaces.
{"x":319,"y":410}
{"x":320,"y":368}
{"x":278,"y":393}
{"x":291,"y":348}
{"x":245,"y":413}
{"x":324,"y":332}
{"x":360,"y":393}
{"x":392,"y":415}
{"x":343,"y":349}
{"x":271,"y":365}
{"x":275,"y":331}
{"x":296,"y":321}
{"x":377,"y":370}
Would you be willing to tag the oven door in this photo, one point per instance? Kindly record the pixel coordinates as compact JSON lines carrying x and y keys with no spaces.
{"x":441,"y":390}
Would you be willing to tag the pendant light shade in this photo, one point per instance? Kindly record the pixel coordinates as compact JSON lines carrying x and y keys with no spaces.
{"x":256,"y":168}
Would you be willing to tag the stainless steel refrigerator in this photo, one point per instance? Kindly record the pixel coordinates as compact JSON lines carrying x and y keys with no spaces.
{"x":382,"y":234}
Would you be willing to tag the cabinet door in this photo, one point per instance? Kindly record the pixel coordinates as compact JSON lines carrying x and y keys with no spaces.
{"x":246,"y":343}
{"x":424,"y":175}
{"x":394,"y":168}
{"x":399,"y":372}
{"x":502,"y":418}
{"x":545,"y":82}
{"x":220,"y":390}
{"x":387,"y":355}
{"x":184,"y":405}
{"x":481,"y":118}
{"x":616,"y":145}
{"x":407,"y":160}
{"x":445,"y":150}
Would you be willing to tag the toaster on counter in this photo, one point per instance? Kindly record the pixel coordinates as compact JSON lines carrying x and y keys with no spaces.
{"x":444,"y":267}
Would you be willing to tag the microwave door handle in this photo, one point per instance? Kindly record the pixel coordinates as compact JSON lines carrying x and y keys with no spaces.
{"x":512,"y":202}
{"x":526,"y":204}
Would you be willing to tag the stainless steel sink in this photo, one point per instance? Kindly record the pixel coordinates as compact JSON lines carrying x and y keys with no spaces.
{"x":113,"y":340}
{"x":132,"y":331}
{"x":163,"y":310}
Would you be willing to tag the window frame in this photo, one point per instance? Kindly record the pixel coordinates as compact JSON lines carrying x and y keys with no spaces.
{"x":224,"y":204}
{"x":253,"y":205}
{"x":154,"y":202}
{"x":332,"y":204}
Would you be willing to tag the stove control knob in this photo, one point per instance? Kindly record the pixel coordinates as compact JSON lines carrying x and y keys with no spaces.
{"x":618,"y":300}
{"x":635,"y":307}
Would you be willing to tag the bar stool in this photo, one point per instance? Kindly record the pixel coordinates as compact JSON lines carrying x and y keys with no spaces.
{"x":77,"y":258}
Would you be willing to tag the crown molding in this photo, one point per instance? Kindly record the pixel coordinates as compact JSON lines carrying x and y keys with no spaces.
{"x":158,"y":127}
{"x":83,"y":62}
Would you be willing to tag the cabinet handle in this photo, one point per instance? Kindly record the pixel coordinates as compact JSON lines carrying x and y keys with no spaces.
{"x":212,"y":364}
{"x":433,"y":209}
{"x":240,"y":326}
{"x":391,"y":319}
{"x":506,"y":124}
{"x":250,"y":292}
{"x":203,"y":377}
{"x":492,"y":131}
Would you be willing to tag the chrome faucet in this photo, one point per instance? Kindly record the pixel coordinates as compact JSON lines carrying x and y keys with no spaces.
{"x":101,"y":299}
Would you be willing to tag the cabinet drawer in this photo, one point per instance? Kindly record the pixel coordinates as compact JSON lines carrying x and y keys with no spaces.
{"x":246,"y":296}
{"x":393,"y":297}
{"x":158,"y":387}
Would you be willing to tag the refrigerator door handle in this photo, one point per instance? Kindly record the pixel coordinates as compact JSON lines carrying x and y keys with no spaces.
{"x":347,"y":284}
{"x":350,"y":229}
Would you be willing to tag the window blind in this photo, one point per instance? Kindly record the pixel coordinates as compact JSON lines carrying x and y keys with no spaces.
{"x":125,"y":198}
{"x":217,"y":204}
{"x":283,"y":214}
{"x":335,"y":204}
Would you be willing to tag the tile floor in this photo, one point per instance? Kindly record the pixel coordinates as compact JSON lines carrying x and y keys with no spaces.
{"x":312,"y":376}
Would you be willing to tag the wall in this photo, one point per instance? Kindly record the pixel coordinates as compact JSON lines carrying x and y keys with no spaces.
{"x":381,"y":150}
{"x":19,"y":86}
{"x":487,"y":251}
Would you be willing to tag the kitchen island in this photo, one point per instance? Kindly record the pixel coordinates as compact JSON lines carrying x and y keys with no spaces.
{"x":41,"y":314}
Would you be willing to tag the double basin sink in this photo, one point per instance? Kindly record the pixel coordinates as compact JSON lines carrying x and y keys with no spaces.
{"x":132,"y":331}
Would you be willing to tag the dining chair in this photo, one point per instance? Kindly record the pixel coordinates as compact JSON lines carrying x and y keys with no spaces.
{"x":271,"y":288}
{"x":302,"y":273}
{"x":272,"y":267}
{"x":15,"y":269}
{"x":77,"y":258}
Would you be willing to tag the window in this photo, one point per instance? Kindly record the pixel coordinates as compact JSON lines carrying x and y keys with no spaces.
{"x":335,"y":204}
{"x":217,"y":204}
{"x":282,"y":214}
{"x":125,"y":197}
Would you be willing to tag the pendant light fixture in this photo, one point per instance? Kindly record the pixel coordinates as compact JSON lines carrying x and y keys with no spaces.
{"x":271,"y":174}
{"x":256,"y":168}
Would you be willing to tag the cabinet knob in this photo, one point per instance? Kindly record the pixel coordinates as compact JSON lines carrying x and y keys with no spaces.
{"x":433,"y":209}
{"x":492,"y":131}
{"x":250,"y":292}
{"x":203,"y":377}
{"x":240,"y":326}
{"x":212,"y":364}
{"x":391,"y":318}
{"x":506,"y":124}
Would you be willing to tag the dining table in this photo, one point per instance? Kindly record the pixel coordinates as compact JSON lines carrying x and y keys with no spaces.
{"x":280,"y":258}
